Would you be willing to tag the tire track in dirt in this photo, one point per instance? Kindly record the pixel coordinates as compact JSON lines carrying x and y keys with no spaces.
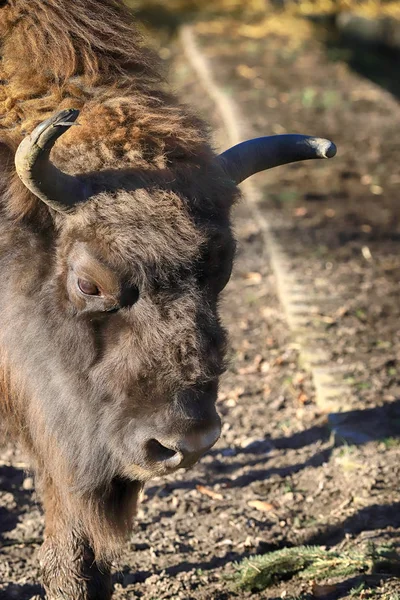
{"x":333,"y":394}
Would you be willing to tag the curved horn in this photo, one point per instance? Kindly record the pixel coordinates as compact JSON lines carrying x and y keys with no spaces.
{"x":57,"y":189}
{"x":253,"y":156}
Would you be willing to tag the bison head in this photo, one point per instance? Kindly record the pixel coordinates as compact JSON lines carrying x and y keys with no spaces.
{"x":128,"y":309}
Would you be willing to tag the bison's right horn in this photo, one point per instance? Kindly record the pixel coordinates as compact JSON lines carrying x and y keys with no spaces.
{"x":246,"y":159}
{"x":58,"y":190}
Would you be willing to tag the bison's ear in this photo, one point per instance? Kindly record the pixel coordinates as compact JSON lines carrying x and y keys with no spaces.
{"x":253,"y":156}
{"x":58,"y":190}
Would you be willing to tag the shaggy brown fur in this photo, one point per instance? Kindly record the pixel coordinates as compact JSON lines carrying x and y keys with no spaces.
{"x":94,"y":385}
{"x":87,"y":54}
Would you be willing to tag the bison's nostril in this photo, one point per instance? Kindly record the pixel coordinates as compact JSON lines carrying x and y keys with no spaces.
{"x":170,"y":453}
{"x":156,"y":452}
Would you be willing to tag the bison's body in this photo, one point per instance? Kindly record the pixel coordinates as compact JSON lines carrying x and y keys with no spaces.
{"x":110,"y":342}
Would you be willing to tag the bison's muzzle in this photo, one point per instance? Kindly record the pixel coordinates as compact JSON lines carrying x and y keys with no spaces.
{"x":175,"y":436}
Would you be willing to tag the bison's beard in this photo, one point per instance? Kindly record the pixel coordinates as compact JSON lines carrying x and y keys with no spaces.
{"x":105,"y":518}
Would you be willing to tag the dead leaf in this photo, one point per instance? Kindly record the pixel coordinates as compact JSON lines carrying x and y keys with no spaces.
{"x":282,"y":359}
{"x":326,"y":319}
{"x":320,"y":591}
{"x":342,"y":312}
{"x":302,"y":398}
{"x":253,"y":278}
{"x":246,"y":72}
{"x":261,"y":506}
{"x":210,"y":493}
{"x":301,"y":211}
{"x":377,"y":190}
{"x":253,"y":31}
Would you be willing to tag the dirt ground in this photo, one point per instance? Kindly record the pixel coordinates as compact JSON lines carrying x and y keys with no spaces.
{"x":322,"y":477}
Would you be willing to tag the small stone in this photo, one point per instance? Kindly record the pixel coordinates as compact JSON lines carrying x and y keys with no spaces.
{"x":248,"y":543}
{"x":28,"y":483}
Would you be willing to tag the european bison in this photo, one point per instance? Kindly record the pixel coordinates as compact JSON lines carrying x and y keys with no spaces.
{"x":113,"y":255}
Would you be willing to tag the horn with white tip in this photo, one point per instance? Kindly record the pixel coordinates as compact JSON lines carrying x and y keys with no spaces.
{"x":250,"y":157}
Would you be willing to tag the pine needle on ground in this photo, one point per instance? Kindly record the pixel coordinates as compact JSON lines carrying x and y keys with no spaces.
{"x":313,"y":563}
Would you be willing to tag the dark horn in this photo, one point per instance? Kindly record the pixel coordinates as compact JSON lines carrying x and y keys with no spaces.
{"x":58,"y":190}
{"x":246,"y":159}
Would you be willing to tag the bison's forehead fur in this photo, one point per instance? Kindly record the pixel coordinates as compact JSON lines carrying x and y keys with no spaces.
{"x":141,"y":230}
{"x":152,"y":231}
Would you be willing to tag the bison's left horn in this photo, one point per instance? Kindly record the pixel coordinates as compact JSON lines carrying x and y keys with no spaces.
{"x":58,"y":190}
{"x":253,"y":156}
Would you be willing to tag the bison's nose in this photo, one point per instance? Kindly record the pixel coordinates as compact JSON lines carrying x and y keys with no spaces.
{"x":184,"y":451}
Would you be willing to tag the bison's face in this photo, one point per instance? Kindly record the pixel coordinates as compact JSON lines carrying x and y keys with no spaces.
{"x":138,"y":277}
{"x":136,"y":343}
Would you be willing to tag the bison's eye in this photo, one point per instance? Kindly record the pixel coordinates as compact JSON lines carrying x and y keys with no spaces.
{"x":88,"y":288}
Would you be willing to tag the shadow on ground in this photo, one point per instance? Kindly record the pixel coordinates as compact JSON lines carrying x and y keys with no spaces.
{"x":11,"y":480}
{"x":371,"y":518}
{"x":378,"y":64}
{"x":22,"y":592}
{"x":362,"y":426}
{"x":182,"y":567}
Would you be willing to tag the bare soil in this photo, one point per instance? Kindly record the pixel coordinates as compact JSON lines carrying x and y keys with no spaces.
{"x":339,"y":223}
